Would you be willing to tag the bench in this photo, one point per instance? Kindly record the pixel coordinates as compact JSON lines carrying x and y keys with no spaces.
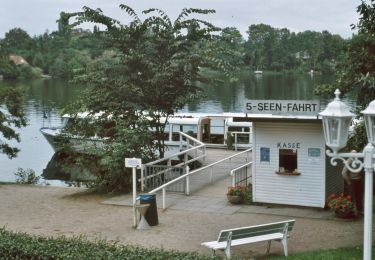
{"x":246,"y":235}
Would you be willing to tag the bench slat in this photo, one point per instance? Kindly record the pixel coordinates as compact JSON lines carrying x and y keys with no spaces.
{"x":221,"y":245}
{"x":253,"y":231}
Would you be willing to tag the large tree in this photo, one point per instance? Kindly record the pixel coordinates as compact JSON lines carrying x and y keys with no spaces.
{"x":151,"y":69}
{"x":156,"y":65}
{"x":356,"y":73}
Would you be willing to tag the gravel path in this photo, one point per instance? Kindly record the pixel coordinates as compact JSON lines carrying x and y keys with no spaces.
{"x":54,"y":211}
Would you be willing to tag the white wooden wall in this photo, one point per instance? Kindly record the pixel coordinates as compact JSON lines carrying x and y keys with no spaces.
{"x":307,"y":189}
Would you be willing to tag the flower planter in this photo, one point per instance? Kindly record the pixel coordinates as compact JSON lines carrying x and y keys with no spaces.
{"x":234,"y":199}
{"x":345,"y":214}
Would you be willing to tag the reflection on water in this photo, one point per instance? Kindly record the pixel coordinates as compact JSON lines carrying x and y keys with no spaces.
{"x":48,"y":96}
{"x":51,"y":96}
{"x":231,"y":96}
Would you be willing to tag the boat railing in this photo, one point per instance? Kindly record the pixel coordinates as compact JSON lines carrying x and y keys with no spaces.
{"x":241,"y":175}
{"x":161,"y":171}
{"x":185,"y":178}
{"x":237,"y":135}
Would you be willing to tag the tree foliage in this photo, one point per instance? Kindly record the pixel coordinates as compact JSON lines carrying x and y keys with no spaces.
{"x":11,"y":115}
{"x":356,"y":72}
{"x":269,"y":48}
{"x":155,"y":67}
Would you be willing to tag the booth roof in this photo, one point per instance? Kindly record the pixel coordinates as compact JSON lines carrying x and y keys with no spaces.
{"x":278,"y":118}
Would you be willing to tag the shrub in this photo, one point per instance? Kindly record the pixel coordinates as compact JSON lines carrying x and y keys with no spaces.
{"x":23,"y":246}
{"x":27,"y":176}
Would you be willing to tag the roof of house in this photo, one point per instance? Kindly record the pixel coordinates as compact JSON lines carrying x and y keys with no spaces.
{"x":18,"y":60}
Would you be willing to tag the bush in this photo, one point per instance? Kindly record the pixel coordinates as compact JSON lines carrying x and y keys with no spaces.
{"x":23,"y":246}
{"x":27,"y":176}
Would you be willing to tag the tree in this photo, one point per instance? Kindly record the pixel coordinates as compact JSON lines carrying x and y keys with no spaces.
{"x":156,"y":67}
{"x":18,"y":41}
{"x":261,"y":42}
{"x":12,"y":116}
{"x":356,"y":72}
{"x":151,"y":69}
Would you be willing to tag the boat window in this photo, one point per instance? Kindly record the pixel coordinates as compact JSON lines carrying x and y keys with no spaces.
{"x":166,"y":132}
{"x":238,"y":129}
{"x":243,"y":138}
{"x":217,"y":126}
{"x":191,"y":130}
{"x":175,"y":132}
{"x":287,"y":161}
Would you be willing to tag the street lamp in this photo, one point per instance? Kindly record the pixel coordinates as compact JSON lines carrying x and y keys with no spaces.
{"x":336,"y":121}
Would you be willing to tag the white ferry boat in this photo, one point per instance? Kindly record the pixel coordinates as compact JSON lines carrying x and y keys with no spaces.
{"x":215,"y":130}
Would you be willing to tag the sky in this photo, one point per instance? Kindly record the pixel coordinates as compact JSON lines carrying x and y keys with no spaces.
{"x":335,"y":16}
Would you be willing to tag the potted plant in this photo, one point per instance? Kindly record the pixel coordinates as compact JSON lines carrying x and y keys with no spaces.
{"x":236,"y":194}
{"x":342,"y":205}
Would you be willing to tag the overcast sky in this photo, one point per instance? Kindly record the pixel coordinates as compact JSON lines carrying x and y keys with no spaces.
{"x":336,"y":16}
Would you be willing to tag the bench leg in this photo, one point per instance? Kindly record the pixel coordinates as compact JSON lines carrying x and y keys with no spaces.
{"x":229,"y":244}
{"x":227,"y":252}
{"x":269,"y":246}
{"x":284,"y":241}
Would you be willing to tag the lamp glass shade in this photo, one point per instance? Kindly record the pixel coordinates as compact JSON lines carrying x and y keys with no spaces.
{"x":370,"y":128}
{"x":369,"y":117}
{"x":336,"y":122}
{"x":336,"y":131}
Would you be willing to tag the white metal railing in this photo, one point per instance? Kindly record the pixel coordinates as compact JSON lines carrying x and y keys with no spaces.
{"x":236,"y":134}
{"x":188,"y":173}
{"x":161,"y":171}
{"x":240,"y":175}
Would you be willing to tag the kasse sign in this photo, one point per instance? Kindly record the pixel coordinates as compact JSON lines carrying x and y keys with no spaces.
{"x":283,"y":107}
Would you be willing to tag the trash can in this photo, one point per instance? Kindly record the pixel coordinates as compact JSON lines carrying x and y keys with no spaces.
{"x":151,"y":215}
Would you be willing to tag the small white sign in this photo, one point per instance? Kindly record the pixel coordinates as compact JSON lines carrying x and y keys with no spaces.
{"x":283,"y":107}
{"x":133,"y":163}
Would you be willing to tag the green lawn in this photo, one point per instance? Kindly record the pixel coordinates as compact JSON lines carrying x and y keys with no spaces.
{"x":17,"y":245}
{"x":351,"y":253}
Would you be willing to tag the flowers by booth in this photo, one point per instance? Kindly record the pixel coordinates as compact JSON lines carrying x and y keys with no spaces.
{"x":240,"y":194}
{"x":342,"y":205}
{"x":236,"y":194}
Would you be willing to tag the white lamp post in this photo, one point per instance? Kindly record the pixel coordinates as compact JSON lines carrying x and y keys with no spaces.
{"x":336,"y":121}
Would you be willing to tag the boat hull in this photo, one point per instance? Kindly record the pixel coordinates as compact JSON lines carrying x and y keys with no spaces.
{"x":60,"y":142}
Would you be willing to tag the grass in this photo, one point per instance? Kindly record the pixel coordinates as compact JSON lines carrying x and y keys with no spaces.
{"x":6,"y":183}
{"x":18,"y":245}
{"x":352,"y":253}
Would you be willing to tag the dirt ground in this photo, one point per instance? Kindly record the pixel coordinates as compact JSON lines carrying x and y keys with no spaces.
{"x":54,"y":211}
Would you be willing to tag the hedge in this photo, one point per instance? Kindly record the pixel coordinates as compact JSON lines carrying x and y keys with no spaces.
{"x":17,"y":245}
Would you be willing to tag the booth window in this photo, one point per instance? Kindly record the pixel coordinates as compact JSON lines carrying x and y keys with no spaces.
{"x":288,"y":161}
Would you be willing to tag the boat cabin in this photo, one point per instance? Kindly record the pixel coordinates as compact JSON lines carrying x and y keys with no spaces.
{"x":215,"y":130}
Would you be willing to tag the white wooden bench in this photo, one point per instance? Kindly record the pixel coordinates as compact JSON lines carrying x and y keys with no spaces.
{"x":246,"y":235}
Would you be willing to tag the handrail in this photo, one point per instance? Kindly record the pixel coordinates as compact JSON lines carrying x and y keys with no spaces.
{"x":197,"y":170}
{"x":235,"y":135}
{"x":188,"y":173}
{"x":233,"y":172}
{"x":201,"y":149}
{"x":179,"y":153}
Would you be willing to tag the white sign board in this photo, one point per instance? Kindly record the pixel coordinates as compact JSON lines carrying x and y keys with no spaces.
{"x":283,"y":107}
{"x":133,"y":163}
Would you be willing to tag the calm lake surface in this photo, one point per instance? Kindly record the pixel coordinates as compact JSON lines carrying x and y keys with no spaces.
{"x":51,"y":95}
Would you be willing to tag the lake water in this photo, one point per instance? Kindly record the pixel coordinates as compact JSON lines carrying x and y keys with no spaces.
{"x":50,"y":96}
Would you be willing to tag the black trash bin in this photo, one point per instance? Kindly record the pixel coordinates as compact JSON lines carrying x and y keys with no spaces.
{"x":151,"y":215}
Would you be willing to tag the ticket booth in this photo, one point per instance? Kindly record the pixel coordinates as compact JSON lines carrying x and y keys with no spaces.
{"x":289,"y":161}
